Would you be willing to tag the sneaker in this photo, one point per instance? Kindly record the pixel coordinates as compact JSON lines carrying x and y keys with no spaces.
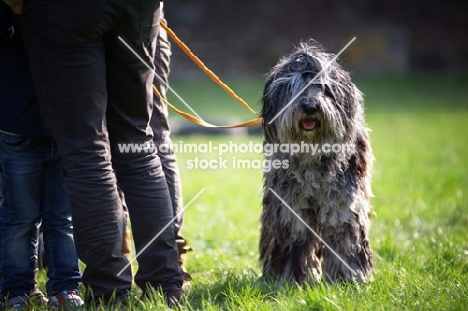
{"x":16,"y":303}
{"x":66,"y":299}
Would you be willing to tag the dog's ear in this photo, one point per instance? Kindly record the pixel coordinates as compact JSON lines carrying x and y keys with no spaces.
{"x":269,"y":111}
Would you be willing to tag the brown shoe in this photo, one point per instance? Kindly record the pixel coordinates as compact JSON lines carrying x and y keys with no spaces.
{"x":126,"y":248}
{"x":183,"y":249}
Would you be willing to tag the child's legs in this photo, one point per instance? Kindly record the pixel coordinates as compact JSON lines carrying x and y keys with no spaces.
{"x":60,"y":254}
{"x":21,"y":170}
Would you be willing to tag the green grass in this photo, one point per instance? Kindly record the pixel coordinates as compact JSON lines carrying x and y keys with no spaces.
{"x":419,"y":233}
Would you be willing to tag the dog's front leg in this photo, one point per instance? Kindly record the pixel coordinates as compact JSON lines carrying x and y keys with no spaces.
{"x":352,"y":257}
{"x":290,"y":260}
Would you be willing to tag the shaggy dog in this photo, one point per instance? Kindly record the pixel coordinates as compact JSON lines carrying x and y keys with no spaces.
{"x":327,"y":187}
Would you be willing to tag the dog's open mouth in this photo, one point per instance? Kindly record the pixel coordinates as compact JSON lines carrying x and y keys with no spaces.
{"x":309,"y":124}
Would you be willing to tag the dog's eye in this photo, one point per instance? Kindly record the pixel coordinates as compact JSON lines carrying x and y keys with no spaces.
{"x":327,"y":92}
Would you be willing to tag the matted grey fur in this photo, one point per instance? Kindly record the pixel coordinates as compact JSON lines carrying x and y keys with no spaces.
{"x":329,"y":190}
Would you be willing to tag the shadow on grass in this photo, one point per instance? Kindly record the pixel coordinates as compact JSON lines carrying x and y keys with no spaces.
{"x":250,"y":291}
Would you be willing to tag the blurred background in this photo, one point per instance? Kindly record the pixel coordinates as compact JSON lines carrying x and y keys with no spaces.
{"x":410,"y":59}
{"x":237,"y":38}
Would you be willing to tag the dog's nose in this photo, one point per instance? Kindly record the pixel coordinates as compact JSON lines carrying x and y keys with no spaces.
{"x":310,"y":108}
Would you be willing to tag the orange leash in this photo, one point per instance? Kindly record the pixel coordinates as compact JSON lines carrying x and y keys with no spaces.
{"x":197,"y":121}
{"x":213,"y":77}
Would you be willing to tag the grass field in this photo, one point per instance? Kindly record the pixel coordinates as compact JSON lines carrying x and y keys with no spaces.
{"x":420,"y":223}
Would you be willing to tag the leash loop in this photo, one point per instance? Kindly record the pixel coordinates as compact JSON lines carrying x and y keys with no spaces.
{"x":213,"y":77}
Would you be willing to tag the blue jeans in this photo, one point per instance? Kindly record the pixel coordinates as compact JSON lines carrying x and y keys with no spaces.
{"x":33,"y":192}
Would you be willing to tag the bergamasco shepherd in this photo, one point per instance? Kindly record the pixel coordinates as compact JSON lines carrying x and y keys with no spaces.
{"x":329,"y":190}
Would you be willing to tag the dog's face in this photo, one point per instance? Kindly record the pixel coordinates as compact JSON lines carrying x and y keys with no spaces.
{"x":323,"y":112}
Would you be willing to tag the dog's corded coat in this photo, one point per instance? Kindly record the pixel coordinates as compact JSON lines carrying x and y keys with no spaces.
{"x":329,"y":190}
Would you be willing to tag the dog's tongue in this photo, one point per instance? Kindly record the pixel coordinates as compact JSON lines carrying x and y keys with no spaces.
{"x":308,"y":124}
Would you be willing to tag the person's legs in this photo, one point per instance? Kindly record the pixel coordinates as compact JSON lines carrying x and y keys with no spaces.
{"x":36,"y":296}
{"x":160,"y":126}
{"x":161,"y":129}
{"x":1,"y":192}
{"x":69,"y":72}
{"x":22,"y":173}
{"x":76,"y":60}
{"x":63,"y":272}
{"x":146,"y":193}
